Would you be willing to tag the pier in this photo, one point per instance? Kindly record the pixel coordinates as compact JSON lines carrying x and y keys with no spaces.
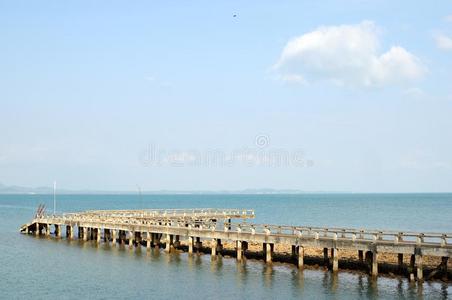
{"x":173,"y":228}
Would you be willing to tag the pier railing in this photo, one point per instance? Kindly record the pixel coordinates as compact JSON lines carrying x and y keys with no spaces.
{"x":169,"y":213}
{"x":179,"y":220}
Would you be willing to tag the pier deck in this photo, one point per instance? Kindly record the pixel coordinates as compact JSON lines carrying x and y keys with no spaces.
{"x":170,"y":227}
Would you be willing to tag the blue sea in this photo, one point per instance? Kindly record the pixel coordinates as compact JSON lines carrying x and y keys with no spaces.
{"x":48,"y":268}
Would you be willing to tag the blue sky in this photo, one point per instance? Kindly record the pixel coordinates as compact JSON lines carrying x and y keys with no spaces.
{"x":360,"y":88}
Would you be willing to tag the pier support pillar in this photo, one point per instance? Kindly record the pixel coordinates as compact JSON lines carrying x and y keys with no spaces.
{"x":214,"y":248}
{"x":239,"y":250}
{"x":148,"y":240}
{"x":47,"y":229}
{"x":325,"y":257}
{"x":268,"y":252}
{"x":85,"y":233}
{"x":113,"y":236}
{"x":300,"y":257}
{"x":412,"y":265}
{"x":37,"y":229}
{"x":190,"y":245}
{"x":57,"y":230}
{"x":374,"y":268}
{"x":419,"y":268}
{"x":219,"y":247}
{"x":156,"y":240}
{"x":107,"y":234}
{"x":294,"y":251}
{"x":335,"y":258}
{"x":444,"y":260}
{"x":70,"y":232}
{"x":131,"y":236}
{"x":400,"y":261}
{"x":169,"y":242}
{"x":176,"y":243}
{"x":98,"y":235}
{"x":360,"y":256}
{"x":198,"y":244}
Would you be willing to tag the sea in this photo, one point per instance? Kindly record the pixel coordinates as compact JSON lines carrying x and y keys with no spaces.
{"x":49,"y":268}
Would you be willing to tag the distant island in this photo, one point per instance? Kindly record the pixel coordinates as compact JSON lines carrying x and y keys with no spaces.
{"x":14,"y":189}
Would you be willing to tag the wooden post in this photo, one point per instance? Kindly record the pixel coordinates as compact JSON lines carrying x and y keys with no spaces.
{"x":300,"y":257}
{"x":335,"y":257}
{"x":98,"y":235}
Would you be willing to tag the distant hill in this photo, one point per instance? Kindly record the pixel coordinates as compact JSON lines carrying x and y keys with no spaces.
{"x":14,"y":189}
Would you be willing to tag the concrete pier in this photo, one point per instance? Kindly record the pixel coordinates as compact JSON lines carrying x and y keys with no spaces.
{"x":216,"y":226}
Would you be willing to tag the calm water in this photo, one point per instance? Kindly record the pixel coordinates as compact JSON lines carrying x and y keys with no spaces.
{"x":38,"y":268}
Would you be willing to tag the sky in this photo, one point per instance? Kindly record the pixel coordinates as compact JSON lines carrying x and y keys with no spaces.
{"x":351,"y":96}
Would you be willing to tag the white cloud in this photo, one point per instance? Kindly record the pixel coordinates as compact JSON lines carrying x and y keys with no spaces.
{"x":448,"y":18}
{"x":443,"y":42}
{"x":347,"y":55}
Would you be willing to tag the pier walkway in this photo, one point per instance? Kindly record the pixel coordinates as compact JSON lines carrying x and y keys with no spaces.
{"x":168,"y":228}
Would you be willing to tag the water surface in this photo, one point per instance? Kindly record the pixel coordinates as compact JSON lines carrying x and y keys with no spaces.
{"x":42,"y":268}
